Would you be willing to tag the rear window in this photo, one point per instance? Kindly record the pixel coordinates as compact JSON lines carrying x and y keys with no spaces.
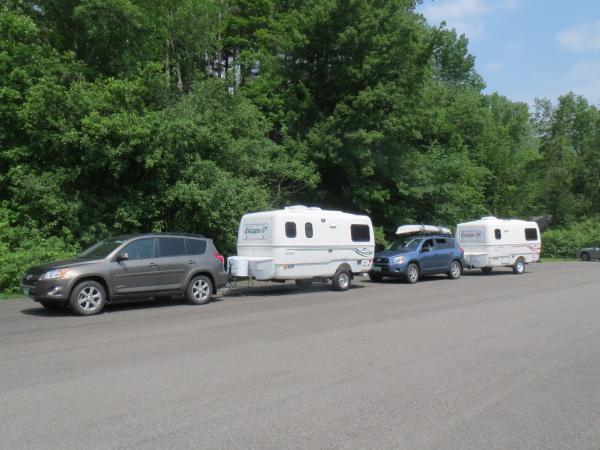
{"x":290,"y":229}
{"x":195,"y":246}
{"x":531,"y":234}
{"x":360,"y":233}
{"x":171,"y":247}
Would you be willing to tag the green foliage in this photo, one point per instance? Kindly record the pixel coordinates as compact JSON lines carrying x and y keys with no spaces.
{"x":566,"y":242}
{"x":129,"y":116}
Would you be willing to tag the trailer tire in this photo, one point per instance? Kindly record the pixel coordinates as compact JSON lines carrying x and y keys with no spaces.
{"x":487,"y":270}
{"x":303,"y":283}
{"x":519,"y":267}
{"x":341,"y":280}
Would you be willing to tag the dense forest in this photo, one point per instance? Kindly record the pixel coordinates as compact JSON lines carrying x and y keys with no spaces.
{"x":182,"y":115}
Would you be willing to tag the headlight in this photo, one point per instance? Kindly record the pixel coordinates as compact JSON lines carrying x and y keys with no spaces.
{"x":398,"y":260}
{"x":57,"y":274}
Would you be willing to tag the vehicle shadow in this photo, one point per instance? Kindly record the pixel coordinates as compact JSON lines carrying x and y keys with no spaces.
{"x":125,"y":305}
{"x":273,"y":289}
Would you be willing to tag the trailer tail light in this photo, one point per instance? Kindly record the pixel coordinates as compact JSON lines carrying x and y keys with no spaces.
{"x":220,"y":257}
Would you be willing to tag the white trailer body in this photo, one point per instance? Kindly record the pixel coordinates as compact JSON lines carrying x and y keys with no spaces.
{"x":492,"y":242}
{"x":299,"y":243}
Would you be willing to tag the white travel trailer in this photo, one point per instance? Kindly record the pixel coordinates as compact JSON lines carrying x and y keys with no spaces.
{"x":492,"y":242}
{"x":303,"y":244}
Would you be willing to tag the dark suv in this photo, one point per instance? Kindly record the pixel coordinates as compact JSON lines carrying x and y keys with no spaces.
{"x":411,"y":257}
{"x":130,"y":267}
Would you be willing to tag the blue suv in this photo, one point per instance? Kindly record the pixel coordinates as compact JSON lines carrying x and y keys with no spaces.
{"x":411,"y":257}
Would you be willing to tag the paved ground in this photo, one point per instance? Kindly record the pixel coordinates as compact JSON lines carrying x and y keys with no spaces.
{"x":499,"y":361}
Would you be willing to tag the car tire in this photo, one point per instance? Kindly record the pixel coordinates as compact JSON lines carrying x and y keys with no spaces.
{"x":342,"y":280}
{"x":376,"y":277}
{"x":87,"y":298}
{"x":303,"y":283}
{"x":519,"y":267}
{"x":199,"y":291}
{"x":52,"y":306}
{"x":585,"y":256}
{"x":455,"y":270}
{"x":412,"y":275}
{"x":487,"y":270}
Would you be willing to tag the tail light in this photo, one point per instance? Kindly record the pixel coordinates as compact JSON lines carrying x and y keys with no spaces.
{"x":462,"y":250}
{"x":220,"y":257}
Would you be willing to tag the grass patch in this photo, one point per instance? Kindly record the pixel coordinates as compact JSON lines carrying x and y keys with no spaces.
{"x":7,"y":296}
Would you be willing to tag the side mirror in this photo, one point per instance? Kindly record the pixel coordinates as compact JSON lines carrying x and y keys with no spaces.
{"x":122,"y":257}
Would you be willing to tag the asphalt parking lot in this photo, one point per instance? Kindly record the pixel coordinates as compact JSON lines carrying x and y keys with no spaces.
{"x":499,"y":361}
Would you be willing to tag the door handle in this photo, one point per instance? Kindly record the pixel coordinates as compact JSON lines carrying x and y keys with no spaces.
{"x":152,"y":264}
{"x":191,"y":261}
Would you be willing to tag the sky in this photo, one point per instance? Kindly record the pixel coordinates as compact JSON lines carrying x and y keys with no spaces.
{"x":528,"y":48}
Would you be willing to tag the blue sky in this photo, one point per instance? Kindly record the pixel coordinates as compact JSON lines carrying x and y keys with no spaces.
{"x":529,"y":48}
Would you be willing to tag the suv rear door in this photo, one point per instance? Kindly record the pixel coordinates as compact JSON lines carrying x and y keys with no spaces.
{"x":443,"y":250}
{"x":173,"y":263}
{"x":137,"y":274}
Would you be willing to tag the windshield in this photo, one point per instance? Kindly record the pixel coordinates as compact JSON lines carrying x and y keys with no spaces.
{"x":407,"y":243}
{"x":101,"y":249}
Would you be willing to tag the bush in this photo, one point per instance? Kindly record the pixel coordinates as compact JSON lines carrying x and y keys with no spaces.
{"x":566,"y":242}
{"x":24,"y":247}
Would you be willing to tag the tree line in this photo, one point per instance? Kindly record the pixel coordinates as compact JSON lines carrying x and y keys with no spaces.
{"x":122,"y":116}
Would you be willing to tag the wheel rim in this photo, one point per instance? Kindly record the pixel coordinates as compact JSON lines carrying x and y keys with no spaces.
{"x":201,"y":290}
{"x":520,"y":267}
{"x":455,"y":270}
{"x":89,"y":298}
{"x":343,"y":280}
{"x":585,"y":256}
{"x":413,"y":273}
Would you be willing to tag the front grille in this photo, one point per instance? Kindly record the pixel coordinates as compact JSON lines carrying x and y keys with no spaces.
{"x":381,"y":260}
{"x":30,"y":279}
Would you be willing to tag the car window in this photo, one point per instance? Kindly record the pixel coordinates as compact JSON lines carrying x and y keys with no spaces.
{"x":428,"y":243}
{"x":171,"y":246}
{"x":290,"y":229}
{"x":441,"y":243}
{"x":195,"y":246}
{"x":360,"y":233}
{"x":101,"y":249}
{"x":141,"y":249}
{"x":407,"y":243}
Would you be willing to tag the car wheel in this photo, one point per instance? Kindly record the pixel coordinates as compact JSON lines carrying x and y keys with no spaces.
{"x":519,"y":267}
{"x":455,"y":270}
{"x":199,"y":291}
{"x":52,"y":306}
{"x":87,"y":298}
{"x":341,"y":280}
{"x":303,"y":284}
{"x":585,"y":256}
{"x":412,"y":273}
{"x":487,"y":269}
{"x":376,"y":277}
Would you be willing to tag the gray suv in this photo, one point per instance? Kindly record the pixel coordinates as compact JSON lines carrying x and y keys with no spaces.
{"x":130,"y":267}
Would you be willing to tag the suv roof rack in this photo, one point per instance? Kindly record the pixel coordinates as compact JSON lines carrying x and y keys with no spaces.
{"x":179,"y":234}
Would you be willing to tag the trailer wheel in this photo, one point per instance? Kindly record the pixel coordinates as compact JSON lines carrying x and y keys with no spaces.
{"x":519,"y":267}
{"x":487,"y":269}
{"x":341,"y":280}
{"x":303,"y":283}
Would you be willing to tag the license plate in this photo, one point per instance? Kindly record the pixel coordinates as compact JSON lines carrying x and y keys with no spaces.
{"x":25,"y":291}
{"x":376,"y":269}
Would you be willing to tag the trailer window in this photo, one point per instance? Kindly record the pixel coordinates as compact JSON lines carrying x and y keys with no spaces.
{"x":360,"y":233}
{"x":498,"y":233}
{"x":531,"y":234}
{"x":290,"y":229}
{"x":308,"y":229}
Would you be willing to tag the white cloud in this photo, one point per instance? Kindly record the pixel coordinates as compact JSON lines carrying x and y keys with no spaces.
{"x":584,"y":71}
{"x":466,"y":16}
{"x":585,"y":37}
